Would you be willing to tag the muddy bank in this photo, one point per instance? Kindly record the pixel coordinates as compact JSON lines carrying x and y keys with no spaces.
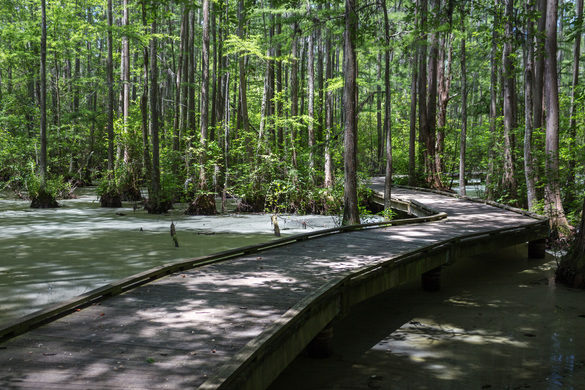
{"x":499,"y":322}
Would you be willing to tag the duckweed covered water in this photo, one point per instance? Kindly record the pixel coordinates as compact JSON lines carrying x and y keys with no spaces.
{"x":47,"y":256}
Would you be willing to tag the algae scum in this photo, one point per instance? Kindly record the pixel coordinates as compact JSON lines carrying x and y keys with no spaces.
{"x":49,"y":255}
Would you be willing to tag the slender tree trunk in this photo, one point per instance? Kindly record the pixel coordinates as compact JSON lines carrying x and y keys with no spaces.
{"x":179,"y":80}
{"x":379,"y":126}
{"x":154,"y":201}
{"x":553,"y":204}
{"x":444,"y":88}
{"x":433,"y":180}
{"x":311,"y":99}
{"x":43,"y":98}
{"x":242,"y":68}
{"x":387,"y":112}
{"x":463,"y":138}
{"x":125,"y":70}
{"x":294,"y":93}
{"x":328,"y":116}
{"x":529,"y":109}
{"x":509,"y":183}
{"x":350,"y":91}
{"x":490,"y":180}
{"x":573,"y":109}
{"x":412,"y":134}
{"x":422,"y":86}
{"x":204,"y":115}
{"x":110,"y":82}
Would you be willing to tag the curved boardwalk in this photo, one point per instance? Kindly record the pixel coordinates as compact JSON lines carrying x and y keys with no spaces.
{"x":182,"y":331}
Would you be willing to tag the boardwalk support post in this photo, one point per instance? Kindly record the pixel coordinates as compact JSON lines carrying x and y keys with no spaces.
{"x":536,"y":249}
{"x":431,"y":280}
{"x":322,"y":345}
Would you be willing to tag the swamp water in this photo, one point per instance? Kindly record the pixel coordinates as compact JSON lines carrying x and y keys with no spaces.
{"x":498,"y":322}
{"x":50,"y":255}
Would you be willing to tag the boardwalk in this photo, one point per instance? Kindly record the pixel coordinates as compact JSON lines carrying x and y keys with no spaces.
{"x":193,"y":328}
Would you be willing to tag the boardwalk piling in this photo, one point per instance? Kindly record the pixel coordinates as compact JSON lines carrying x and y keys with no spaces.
{"x":321,"y":346}
{"x":536,"y":249}
{"x":431,"y":280}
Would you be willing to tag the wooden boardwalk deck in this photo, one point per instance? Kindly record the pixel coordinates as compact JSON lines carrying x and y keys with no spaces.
{"x":197,"y":327}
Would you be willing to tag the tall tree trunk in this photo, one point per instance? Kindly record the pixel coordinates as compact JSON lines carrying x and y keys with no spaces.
{"x":387,"y":112}
{"x":463,"y":138}
{"x":294,"y":93}
{"x":444,"y":77}
{"x":328,"y":183}
{"x":179,"y":80}
{"x":490,"y":180}
{"x":110,"y":82}
{"x":422,"y":86}
{"x":350,"y":205}
{"x":154,"y":202}
{"x":43,"y":98}
{"x":509,"y":183}
{"x":242,"y":68}
{"x":553,"y":204}
{"x":433,"y":180}
{"x":311,"y":99}
{"x":379,"y":126}
{"x":412,"y":134}
{"x":529,"y":109}
{"x":125,"y":76}
{"x":573,"y":108}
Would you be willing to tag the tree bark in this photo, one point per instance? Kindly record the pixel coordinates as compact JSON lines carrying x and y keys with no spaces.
{"x":125,"y":76}
{"x":350,"y":204}
{"x":387,"y":112}
{"x":412,"y":134}
{"x":529,"y":110}
{"x":110,"y":82}
{"x":311,"y":99}
{"x":154,"y":202}
{"x":571,"y":270}
{"x":490,"y":180}
{"x":294,"y":93}
{"x":509,"y":182}
{"x":463,"y":138}
{"x":553,"y":203}
{"x":573,"y":107}
{"x":43,"y":98}
{"x":328,"y":183}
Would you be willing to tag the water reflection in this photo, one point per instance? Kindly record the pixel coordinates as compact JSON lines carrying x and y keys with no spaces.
{"x":497,"y":323}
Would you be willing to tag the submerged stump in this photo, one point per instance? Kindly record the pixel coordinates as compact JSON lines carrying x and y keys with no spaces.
{"x":43,"y":200}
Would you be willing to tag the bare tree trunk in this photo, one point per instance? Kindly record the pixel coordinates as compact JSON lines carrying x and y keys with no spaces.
{"x":529,"y":110}
{"x":43,"y":98}
{"x":573,"y":108}
{"x":412,"y":136}
{"x":387,"y":113}
{"x":154,"y":202}
{"x":125,"y":76}
{"x":110,"y":82}
{"x":490,"y":180}
{"x":350,"y":205}
{"x":379,"y":126}
{"x":553,"y":203}
{"x":433,"y":180}
{"x":311,"y":99}
{"x":463,"y":140}
{"x":328,"y":116}
{"x":242,"y":68}
{"x":444,"y":77}
{"x":179,"y":80}
{"x":294,"y":93}
{"x":509,"y":183}
{"x":422,"y":85}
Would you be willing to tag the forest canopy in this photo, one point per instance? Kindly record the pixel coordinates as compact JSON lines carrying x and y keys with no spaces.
{"x":267,"y":101}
